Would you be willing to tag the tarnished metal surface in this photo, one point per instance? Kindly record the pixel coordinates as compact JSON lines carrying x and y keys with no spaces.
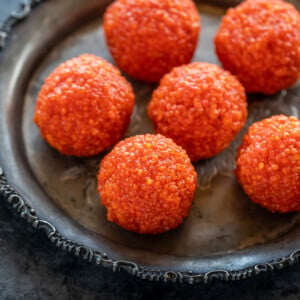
{"x":225,"y":236}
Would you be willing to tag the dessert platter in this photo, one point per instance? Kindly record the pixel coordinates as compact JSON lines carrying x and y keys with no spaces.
{"x":224,"y":235}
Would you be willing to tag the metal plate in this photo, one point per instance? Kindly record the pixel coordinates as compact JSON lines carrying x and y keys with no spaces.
{"x":225,"y":235}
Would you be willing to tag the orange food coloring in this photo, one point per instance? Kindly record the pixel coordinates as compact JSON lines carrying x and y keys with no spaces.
{"x":201,"y":107}
{"x":147,"y":184}
{"x":84,"y":106}
{"x":148,"y":38}
{"x":259,"y":42}
{"x":268,"y":163}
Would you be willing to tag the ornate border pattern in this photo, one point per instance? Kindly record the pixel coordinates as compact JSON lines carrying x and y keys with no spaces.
{"x":14,"y":18}
{"x":26,"y":212}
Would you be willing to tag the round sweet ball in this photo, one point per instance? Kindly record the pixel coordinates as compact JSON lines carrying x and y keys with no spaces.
{"x":201,"y":107}
{"x":84,"y":106}
{"x":148,"y":38}
{"x":268,"y":163}
{"x":147,"y":184}
{"x":259,"y":42}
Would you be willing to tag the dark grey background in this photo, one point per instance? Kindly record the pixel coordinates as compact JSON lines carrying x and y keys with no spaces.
{"x":32,"y":268}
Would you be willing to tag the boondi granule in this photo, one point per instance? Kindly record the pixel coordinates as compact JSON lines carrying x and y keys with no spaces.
{"x":147,"y":184}
{"x":148,"y":38}
{"x":84,"y":106}
{"x":259,"y":42}
{"x":201,"y":107}
{"x":268,"y":163}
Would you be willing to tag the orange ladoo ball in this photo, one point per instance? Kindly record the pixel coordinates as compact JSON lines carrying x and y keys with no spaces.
{"x":201,"y":107}
{"x":268,"y":163}
{"x":148,"y":38}
{"x":84,"y":106}
{"x":259,"y":42}
{"x":147,"y":184}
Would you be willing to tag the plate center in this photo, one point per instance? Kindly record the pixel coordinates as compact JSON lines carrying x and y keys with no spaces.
{"x":222,"y":218}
